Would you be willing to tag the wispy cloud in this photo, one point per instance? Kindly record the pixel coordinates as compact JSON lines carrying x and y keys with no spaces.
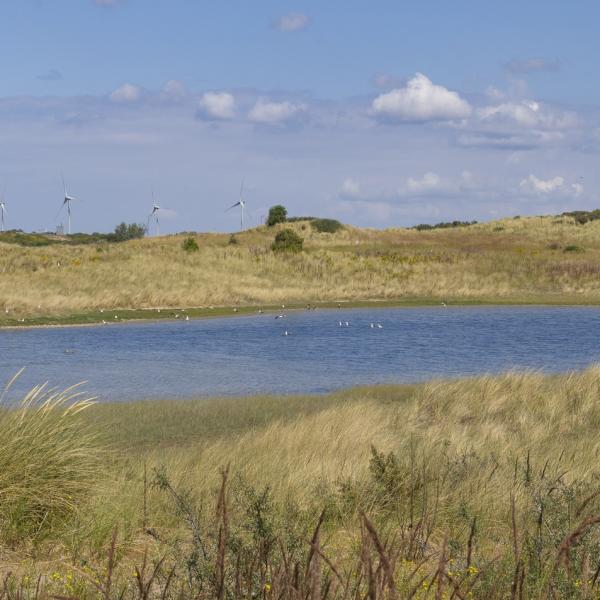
{"x":522,"y":66}
{"x":271,"y":113}
{"x":292,"y":22}
{"x":50,"y":75}
{"x":126,"y":94}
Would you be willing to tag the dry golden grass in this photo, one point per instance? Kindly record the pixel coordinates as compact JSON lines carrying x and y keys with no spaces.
{"x":513,"y":260}
{"x":517,"y":454}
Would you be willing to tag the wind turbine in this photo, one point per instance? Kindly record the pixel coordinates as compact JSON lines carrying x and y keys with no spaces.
{"x":2,"y":211}
{"x":242,"y":204}
{"x":154,"y":215}
{"x":67,"y":200}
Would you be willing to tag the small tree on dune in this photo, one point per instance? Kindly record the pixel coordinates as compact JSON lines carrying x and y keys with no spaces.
{"x":277,"y":214}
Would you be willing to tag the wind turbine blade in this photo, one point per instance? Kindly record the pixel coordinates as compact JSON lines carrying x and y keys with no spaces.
{"x":64,"y":184}
{"x":233,"y":206}
{"x":59,"y":210}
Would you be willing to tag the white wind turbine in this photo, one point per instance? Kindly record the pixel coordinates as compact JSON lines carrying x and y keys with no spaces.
{"x":67,"y":200}
{"x":2,"y":213}
{"x":242,"y":204}
{"x":154,"y":216}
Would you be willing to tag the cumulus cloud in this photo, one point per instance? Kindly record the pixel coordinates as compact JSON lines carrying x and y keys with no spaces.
{"x":266,"y":112}
{"x":420,"y":100}
{"x":292,"y":22}
{"x":217,"y":106}
{"x":544,"y":187}
{"x":527,"y":113}
{"x":520,"y":66}
{"x":127,"y":93}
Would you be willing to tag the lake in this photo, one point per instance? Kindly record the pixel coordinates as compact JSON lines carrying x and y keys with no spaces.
{"x":251,"y":355}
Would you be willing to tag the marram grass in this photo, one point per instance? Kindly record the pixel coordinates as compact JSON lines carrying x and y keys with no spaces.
{"x":48,"y":461}
{"x":486,"y":487}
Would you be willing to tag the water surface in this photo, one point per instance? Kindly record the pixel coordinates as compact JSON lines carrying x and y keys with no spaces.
{"x":249,"y":355}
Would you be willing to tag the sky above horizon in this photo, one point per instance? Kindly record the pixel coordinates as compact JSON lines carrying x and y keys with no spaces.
{"x":378,"y":114}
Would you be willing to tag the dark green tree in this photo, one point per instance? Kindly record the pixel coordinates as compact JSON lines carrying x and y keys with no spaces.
{"x":277,"y":214}
{"x":124,"y":232}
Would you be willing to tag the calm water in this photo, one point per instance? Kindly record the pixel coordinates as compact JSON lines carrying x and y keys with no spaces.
{"x":247,"y":355}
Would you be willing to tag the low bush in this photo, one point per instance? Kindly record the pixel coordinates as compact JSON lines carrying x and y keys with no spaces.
{"x":326,"y":225}
{"x":287,"y":240}
{"x":573,"y":248}
{"x":190,"y":244}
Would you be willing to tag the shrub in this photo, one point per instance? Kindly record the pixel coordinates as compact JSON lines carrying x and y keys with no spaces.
{"x":326,"y":225}
{"x":277,"y":214}
{"x":233,"y":241}
{"x":131,"y":231}
{"x":287,"y":240}
{"x":190,"y":244}
{"x":573,"y":248}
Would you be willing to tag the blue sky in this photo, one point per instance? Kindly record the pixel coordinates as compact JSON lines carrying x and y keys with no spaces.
{"x":380,"y":114}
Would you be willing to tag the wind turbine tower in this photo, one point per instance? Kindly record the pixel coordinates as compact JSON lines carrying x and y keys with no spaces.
{"x":2,"y":212}
{"x":66,"y":201}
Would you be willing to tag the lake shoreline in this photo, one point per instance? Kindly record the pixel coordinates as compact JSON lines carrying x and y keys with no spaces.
{"x":155,"y":315}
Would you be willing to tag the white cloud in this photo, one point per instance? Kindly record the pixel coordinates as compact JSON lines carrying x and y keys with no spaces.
{"x":274,"y":112}
{"x":429,"y":182}
{"x":174,"y":90}
{"x":420,"y":100}
{"x":292,"y":22}
{"x":555,"y":185}
{"x":350,"y":189}
{"x":126,"y":93}
{"x":527,"y":113}
{"x":217,"y":105}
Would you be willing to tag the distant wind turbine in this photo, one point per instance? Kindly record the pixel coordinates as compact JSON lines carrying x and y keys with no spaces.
{"x":154,"y":216}
{"x":242,"y":204}
{"x":67,"y":200}
{"x":2,"y":212}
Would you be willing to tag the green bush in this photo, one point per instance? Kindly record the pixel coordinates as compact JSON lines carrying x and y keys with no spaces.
{"x":326,"y":225}
{"x":277,"y":214}
{"x":573,"y":248}
{"x":190,"y":244}
{"x":287,"y":240}
{"x":131,"y":231}
{"x":233,"y":241}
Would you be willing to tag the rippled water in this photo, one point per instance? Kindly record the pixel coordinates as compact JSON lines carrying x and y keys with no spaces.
{"x":248,"y":355}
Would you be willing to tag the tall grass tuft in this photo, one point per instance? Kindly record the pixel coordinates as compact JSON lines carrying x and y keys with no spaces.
{"x":48,"y":459}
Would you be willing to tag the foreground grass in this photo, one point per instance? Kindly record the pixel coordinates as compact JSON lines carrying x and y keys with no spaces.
{"x":528,"y":260}
{"x":484,"y":487}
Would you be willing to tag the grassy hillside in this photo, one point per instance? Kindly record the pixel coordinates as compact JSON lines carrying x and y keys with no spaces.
{"x":481,"y":488}
{"x":536,"y":259}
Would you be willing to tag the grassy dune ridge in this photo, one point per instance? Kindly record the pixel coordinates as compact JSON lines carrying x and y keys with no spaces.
{"x":535,"y":259}
{"x":477,"y":486}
